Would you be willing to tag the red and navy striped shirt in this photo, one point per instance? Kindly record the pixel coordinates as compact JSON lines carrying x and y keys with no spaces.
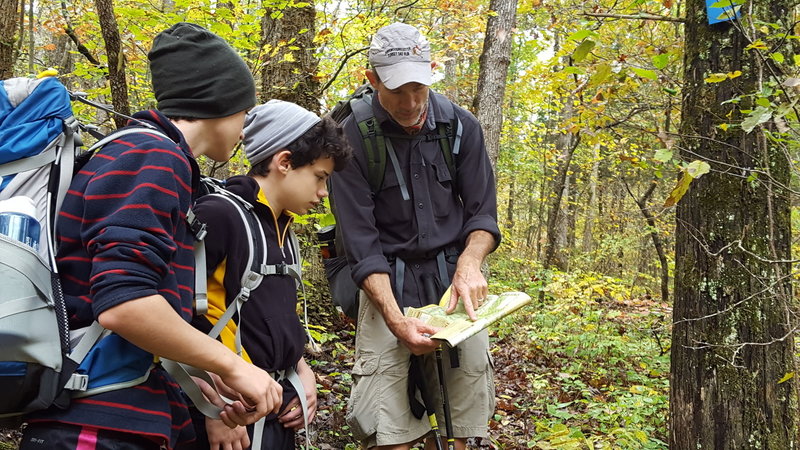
{"x":122,"y":235}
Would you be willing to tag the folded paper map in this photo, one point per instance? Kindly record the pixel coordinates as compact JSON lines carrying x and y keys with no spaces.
{"x":457,"y":326}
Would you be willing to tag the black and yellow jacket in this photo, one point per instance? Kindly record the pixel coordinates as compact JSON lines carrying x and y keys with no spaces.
{"x":272,"y":335}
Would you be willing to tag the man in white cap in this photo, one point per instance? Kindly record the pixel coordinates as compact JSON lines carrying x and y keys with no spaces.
{"x":427,"y":220}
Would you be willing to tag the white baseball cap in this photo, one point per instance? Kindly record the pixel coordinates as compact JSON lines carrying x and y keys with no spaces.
{"x":400,"y":54}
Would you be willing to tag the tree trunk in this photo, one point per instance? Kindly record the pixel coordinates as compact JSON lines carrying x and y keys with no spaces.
{"x":510,"y":208}
{"x":289,"y":74}
{"x":8,"y":30}
{"x":116,"y":59}
{"x":587,"y":241}
{"x":567,"y":143}
{"x":658,"y":244}
{"x":494,"y":62}
{"x":733,"y":342}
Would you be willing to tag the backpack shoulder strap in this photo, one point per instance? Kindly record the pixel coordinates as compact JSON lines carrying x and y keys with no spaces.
{"x":254,"y":270}
{"x":374,"y":140}
{"x":124,"y":132}
{"x":449,"y":130}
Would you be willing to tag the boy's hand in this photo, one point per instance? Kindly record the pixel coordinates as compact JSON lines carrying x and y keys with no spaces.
{"x":221,"y":437}
{"x":292,"y":415}
{"x":258,"y":393}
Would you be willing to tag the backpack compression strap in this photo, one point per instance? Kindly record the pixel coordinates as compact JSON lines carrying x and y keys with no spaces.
{"x":255,"y":269}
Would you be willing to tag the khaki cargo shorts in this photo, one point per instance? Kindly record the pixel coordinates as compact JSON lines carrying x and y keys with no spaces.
{"x":378,"y":411}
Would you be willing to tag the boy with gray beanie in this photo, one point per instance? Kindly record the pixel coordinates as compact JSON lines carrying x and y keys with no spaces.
{"x":292,"y":153}
{"x":126,"y":261}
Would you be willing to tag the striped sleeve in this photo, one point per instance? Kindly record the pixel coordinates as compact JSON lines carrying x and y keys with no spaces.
{"x":134,"y":204}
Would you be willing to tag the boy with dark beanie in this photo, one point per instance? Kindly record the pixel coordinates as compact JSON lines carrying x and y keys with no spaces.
{"x":126,"y":261}
{"x":292,"y":153}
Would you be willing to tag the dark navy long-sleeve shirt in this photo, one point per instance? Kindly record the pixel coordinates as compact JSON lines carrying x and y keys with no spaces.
{"x":439,"y":214}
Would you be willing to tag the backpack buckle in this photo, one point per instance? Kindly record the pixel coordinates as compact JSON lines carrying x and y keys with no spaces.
{"x":197,"y":228}
{"x":276,"y":269}
{"x":77,"y":382}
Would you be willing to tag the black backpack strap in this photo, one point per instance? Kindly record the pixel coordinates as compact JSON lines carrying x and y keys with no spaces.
{"x":374,"y":140}
{"x":449,"y":131}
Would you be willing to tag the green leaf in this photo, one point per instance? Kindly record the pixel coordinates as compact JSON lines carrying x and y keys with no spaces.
{"x":729,"y":13}
{"x":583,"y":50}
{"x":581,"y":35}
{"x":761,"y":101}
{"x":697,"y":169}
{"x":663,"y":155}
{"x":778,"y":57}
{"x":645,"y":73}
{"x":726,"y":3}
{"x":756,"y":118}
{"x":660,"y":61}
{"x":600,"y":75}
{"x":574,"y":70}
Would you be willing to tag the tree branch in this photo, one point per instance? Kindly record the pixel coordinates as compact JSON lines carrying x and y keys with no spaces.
{"x":639,"y":16}
{"x":74,"y":37}
{"x":341,"y":66}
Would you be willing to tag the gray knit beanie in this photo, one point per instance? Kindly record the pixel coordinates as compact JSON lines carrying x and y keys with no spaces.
{"x":196,"y":74}
{"x":271,"y":127}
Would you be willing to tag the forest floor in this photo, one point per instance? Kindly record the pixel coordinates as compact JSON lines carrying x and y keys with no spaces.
{"x":585,"y":367}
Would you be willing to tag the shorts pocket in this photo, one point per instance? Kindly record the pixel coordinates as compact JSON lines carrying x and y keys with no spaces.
{"x":473,"y":354}
{"x":363,"y":402}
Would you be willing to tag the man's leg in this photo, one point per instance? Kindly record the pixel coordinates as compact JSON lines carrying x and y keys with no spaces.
{"x":379,"y":413}
{"x":470,"y":388}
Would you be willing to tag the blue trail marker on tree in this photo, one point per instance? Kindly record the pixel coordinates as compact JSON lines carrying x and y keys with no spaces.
{"x":723,"y":10}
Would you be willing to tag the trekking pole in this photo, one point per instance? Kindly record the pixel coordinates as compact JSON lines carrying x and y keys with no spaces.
{"x":417,"y":376}
{"x":448,"y":423}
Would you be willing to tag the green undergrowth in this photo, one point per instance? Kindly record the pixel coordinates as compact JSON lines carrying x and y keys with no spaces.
{"x":588,"y":366}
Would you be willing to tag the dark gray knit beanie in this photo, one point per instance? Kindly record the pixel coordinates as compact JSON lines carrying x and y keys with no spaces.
{"x":196,"y":74}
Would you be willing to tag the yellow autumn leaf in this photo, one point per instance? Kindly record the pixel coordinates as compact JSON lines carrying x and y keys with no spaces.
{"x":786,"y":377}
{"x":734,"y":74}
{"x":758,"y":45}
{"x":716,"y":77}
{"x":724,"y":126}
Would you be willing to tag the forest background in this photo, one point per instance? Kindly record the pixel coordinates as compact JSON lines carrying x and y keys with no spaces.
{"x":646,"y":172}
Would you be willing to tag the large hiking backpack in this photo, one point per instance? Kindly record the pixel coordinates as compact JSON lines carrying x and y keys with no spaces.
{"x":378,"y":149}
{"x":42,"y":362}
{"x":39,"y":141}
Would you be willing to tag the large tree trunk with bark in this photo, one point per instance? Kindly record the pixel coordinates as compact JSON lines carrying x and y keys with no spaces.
{"x":733,"y":319}
{"x":290,"y":65}
{"x":116,"y":59}
{"x":8,"y":30}
{"x":494,"y":62}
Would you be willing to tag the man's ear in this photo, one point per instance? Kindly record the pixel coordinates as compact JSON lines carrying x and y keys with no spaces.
{"x":282,"y":161}
{"x":372,"y":77}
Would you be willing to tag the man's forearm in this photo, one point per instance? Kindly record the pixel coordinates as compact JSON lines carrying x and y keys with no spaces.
{"x":379,"y":290}
{"x":478,"y":245}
